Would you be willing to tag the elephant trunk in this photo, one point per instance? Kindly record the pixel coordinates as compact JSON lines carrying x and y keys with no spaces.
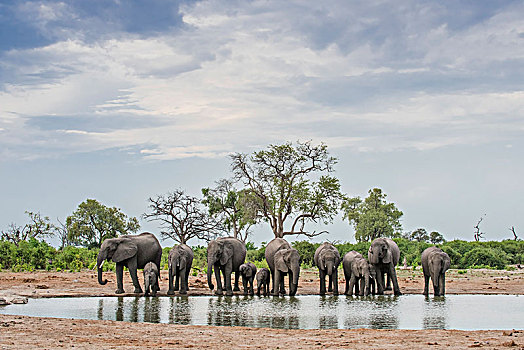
{"x":330,"y":268}
{"x":294,"y":283}
{"x":366,"y":284}
{"x":209,"y":272}
{"x":99,"y":262}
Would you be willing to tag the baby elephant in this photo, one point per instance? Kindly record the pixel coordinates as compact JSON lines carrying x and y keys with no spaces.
{"x":263,"y":277}
{"x":435,"y":263}
{"x":357,"y":269}
{"x":327,"y":259}
{"x":248,"y":271}
{"x":151,"y":275}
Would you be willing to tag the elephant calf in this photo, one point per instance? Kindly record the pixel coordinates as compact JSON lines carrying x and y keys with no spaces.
{"x":435,"y":263}
{"x":151,"y":275}
{"x":180,"y":260}
{"x":356,"y":269}
{"x":327,"y":259}
{"x":248,"y":271}
{"x":263,"y":277}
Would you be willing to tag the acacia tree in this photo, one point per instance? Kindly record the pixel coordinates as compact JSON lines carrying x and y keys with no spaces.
{"x":182,"y":217}
{"x":38,"y":227}
{"x":93,"y":222}
{"x":235,"y":208}
{"x":372,"y":217}
{"x":436,"y":238}
{"x":280,"y":178}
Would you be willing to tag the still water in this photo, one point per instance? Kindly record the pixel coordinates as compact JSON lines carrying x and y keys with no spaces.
{"x":466,"y":312}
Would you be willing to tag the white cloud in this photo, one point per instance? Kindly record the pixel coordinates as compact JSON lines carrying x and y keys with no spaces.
{"x":247,"y":76}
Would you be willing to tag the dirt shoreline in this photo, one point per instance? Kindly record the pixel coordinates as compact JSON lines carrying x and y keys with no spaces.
{"x":21,"y":332}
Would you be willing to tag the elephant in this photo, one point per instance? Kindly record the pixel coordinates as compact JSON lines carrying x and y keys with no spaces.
{"x":283,"y":260}
{"x":384,"y":255}
{"x":360,"y":273}
{"x":327,"y":259}
{"x":180,"y":260}
{"x":435,"y":263}
{"x":248,"y":271}
{"x":263,"y":277}
{"x":347,"y":262}
{"x":151,"y":275}
{"x":132,"y":251}
{"x":225,"y":254}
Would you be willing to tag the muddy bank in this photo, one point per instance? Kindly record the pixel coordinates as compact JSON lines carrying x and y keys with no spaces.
{"x":28,"y":333}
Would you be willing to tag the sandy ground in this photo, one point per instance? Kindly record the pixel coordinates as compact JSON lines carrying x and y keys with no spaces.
{"x":17,"y":332}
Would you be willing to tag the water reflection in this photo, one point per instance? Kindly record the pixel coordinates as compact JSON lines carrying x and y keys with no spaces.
{"x":179,"y":310}
{"x":304,"y":312}
{"x":435,"y":313}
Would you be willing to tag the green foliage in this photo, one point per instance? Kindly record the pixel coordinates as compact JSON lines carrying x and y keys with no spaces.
{"x":306,"y":250}
{"x":256,"y":254}
{"x":280,"y":179}
{"x":482,"y":256}
{"x":260,"y":264}
{"x":373,"y":217}
{"x":200,"y":258}
{"x":93,"y":222}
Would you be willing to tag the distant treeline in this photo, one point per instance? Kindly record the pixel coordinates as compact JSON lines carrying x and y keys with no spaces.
{"x":39,"y":255}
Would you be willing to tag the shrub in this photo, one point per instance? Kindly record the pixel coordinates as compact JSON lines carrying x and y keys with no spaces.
{"x":306,"y":250}
{"x":483,"y":257}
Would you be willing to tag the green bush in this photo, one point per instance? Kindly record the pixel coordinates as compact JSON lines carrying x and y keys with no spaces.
{"x":483,"y":257}
{"x":306,"y":250}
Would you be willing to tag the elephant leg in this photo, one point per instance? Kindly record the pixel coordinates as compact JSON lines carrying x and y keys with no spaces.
{"x":183,"y":280}
{"x":393,"y":275}
{"x":133,"y":272}
{"x":227,"y":278}
{"x":362,"y":286}
{"x":237,"y":276}
{"x":187,"y":270}
{"x":322,"y":282}
{"x":282,"y":285}
{"x":267,"y":288}
{"x":119,"y":279}
{"x":347,"y":277}
{"x":335,"y":282}
{"x":177,"y":279}
{"x":171,"y":289}
{"x":244,"y":283}
{"x":426,"y":285}
{"x":276,"y":283}
{"x":380,"y":283}
{"x":357,"y":286}
{"x":252,"y":286}
{"x":330,"y":283}
{"x":217,"y":278}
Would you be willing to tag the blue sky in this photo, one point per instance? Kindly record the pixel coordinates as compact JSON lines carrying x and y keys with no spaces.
{"x":123,"y":100}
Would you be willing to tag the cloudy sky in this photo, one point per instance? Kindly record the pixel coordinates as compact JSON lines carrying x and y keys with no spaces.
{"x":123,"y":100}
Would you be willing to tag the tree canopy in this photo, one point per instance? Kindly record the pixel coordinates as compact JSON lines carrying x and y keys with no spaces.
{"x":291,"y":183}
{"x":235,"y":208}
{"x":92,"y":222}
{"x":182,"y":217}
{"x":372,"y":217}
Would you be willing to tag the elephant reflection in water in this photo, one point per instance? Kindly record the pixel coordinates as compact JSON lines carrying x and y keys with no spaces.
{"x":224,"y":311}
{"x":152,"y":310}
{"x":385,"y":315}
{"x":287,"y":318}
{"x":328,"y":319}
{"x":435,"y":313}
{"x":179,"y":310}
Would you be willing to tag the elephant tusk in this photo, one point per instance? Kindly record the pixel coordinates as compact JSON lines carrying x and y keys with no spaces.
{"x":101,"y":264}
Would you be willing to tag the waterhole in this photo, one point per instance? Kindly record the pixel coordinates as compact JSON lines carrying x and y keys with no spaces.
{"x":466,"y":312}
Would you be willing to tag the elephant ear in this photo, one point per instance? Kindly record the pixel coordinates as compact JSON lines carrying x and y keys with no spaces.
{"x":248,"y":271}
{"x":227,"y":253}
{"x":126,"y":249}
{"x":280,"y":263}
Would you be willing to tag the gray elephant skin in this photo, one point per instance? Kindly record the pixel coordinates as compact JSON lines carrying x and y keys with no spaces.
{"x":180,"y":260}
{"x":357,"y":273}
{"x":283,"y":260}
{"x":435,"y":263}
{"x":133,"y":252}
{"x":225,"y":255}
{"x":327,"y":259}
{"x":248,"y":272}
{"x":151,"y":275}
{"x":384,"y":255}
{"x":263,"y":277}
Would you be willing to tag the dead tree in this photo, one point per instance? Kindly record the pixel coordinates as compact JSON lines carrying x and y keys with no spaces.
{"x":478,"y":235}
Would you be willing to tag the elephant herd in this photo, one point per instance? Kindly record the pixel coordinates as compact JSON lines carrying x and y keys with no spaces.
{"x":227,"y":255}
